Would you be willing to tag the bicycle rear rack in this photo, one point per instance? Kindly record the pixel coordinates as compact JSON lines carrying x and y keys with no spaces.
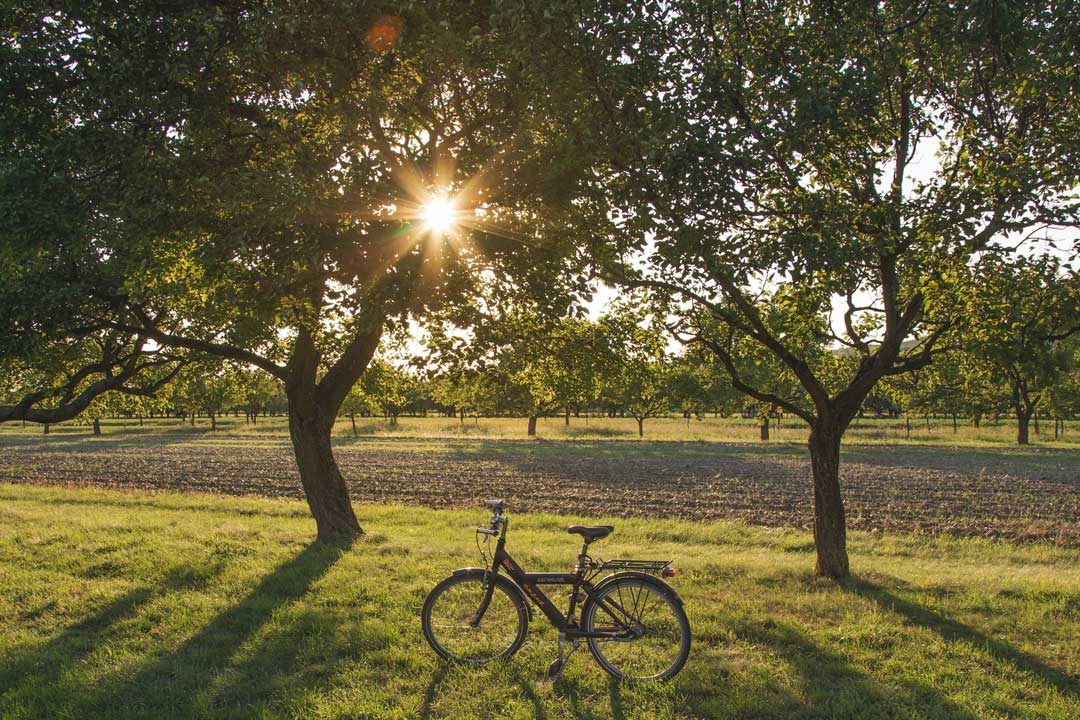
{"x":654,"y":567}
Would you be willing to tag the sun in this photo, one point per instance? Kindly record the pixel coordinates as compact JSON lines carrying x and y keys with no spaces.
{"x":438,"y":214}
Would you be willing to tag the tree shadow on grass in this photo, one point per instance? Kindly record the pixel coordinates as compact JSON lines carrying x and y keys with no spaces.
{"x":953,"y":631}
{"x":47,"y":664}
{"x":834,"y":688}
{"x":177,"y":683}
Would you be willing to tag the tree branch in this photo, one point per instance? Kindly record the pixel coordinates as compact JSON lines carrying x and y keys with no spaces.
{"x":740,"y":385}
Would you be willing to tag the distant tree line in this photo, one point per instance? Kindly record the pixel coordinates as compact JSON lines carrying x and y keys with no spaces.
{"x":1018,"y":358}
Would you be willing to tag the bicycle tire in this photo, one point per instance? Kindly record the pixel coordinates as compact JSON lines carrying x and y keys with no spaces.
{"x":653,"y":609}
{"x":452,"y":603}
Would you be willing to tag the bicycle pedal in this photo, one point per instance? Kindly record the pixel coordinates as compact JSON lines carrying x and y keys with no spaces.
{"x":554,"y":668}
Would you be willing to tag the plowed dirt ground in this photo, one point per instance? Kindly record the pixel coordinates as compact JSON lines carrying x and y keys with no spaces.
{"x":1026,"y":496}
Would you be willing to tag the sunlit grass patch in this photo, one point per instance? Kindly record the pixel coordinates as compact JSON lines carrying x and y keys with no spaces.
{"x":125,"y":605}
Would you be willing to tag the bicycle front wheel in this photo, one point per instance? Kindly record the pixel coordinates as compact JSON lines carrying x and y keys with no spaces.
{"x":449,"y":619}
{"x":649,"y":635}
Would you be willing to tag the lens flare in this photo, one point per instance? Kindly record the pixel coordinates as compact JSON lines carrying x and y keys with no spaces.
{"x":438,"y":215}
{"x":384,"y":33}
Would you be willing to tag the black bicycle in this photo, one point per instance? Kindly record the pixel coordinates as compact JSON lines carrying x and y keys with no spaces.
{"x":632,"y":620}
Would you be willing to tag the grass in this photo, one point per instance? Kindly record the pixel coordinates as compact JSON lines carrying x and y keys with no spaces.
{"x":130,"y":605}
{"x":864,"y":431}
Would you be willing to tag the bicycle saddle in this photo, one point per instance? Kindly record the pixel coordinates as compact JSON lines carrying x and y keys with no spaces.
{"x":590,"y":532}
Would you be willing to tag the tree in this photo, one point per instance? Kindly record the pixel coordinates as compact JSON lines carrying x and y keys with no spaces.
{"x":247,"y":182}
{"x":759,"y":153}
{"x":531,"y":359}
{"x":257,"y":390}
{"x":217,"y":388}
{"x":1021,"y":313}
{"x":389,"y":388}
{"x":466,"y":390}
{"x":1063,"y":400}
{"x":637,"y":374}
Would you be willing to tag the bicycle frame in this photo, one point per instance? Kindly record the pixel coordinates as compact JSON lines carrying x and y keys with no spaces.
{"x":529,"y":584}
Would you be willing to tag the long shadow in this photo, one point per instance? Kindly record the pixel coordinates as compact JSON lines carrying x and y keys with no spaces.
{"x":525,"y":684}
{"x":615,"y":693}
{"x":167,"y":685}
{"x":528,"y":689}
{"x":834,"y":687}
{"x":953,"y":631}
{"x":432,"y":691}
{"x":994,"y":463}
{"x":580,"y":708}
{"x":47,"y":663}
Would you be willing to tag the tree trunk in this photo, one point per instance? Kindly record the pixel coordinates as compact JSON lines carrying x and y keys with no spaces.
{"x":532,"y":426}
{"x":352,"y":419}
{"x":46,"y":432}
{"x":907,"y":417}
{"x":313,"y":409}
{"x":1023,"y":419}
{"x":213,"y":422}
{"x":641,"y":427}
{"x":1035,"y":422}
{"x":97,"y":426}
{"x":955,"y":427}
{"x":324,"y":487}
{"x":765,"y":429}
{"x":830,"y":528}
{"x":566,"y":417}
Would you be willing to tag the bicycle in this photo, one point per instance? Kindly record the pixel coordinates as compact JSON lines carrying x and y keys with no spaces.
{"x":633,"y":621}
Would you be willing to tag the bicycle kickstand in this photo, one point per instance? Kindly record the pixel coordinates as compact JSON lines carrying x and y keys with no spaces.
{"x":559,"y":663}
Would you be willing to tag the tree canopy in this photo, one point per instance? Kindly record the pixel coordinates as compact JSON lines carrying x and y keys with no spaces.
{"x":248,"y":181}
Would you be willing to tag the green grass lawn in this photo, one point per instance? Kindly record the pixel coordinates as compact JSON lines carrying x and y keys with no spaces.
{"x":864,"y":431}
{"x":161,"y":606}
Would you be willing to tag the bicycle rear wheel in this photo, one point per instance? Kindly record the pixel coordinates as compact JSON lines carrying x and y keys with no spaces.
{"x":650,"y":632}
{"x":452,"y":605}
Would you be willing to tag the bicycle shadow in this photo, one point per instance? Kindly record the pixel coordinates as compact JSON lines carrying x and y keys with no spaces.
{"x":524,"y":684}
{"x":582,"y":709}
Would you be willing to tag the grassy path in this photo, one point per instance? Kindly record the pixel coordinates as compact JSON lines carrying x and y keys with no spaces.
{"x":122,"y":604}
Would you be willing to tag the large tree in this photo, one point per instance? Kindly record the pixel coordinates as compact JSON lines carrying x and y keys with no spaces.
{"x":815,"y":175}
{"x":249,"y":181}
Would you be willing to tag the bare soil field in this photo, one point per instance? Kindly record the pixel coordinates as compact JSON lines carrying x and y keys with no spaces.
{"x":1025,"y":496}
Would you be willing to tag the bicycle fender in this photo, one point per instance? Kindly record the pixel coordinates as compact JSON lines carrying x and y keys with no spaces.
{"x":652,"y":580}
{"x":502,"y":580}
